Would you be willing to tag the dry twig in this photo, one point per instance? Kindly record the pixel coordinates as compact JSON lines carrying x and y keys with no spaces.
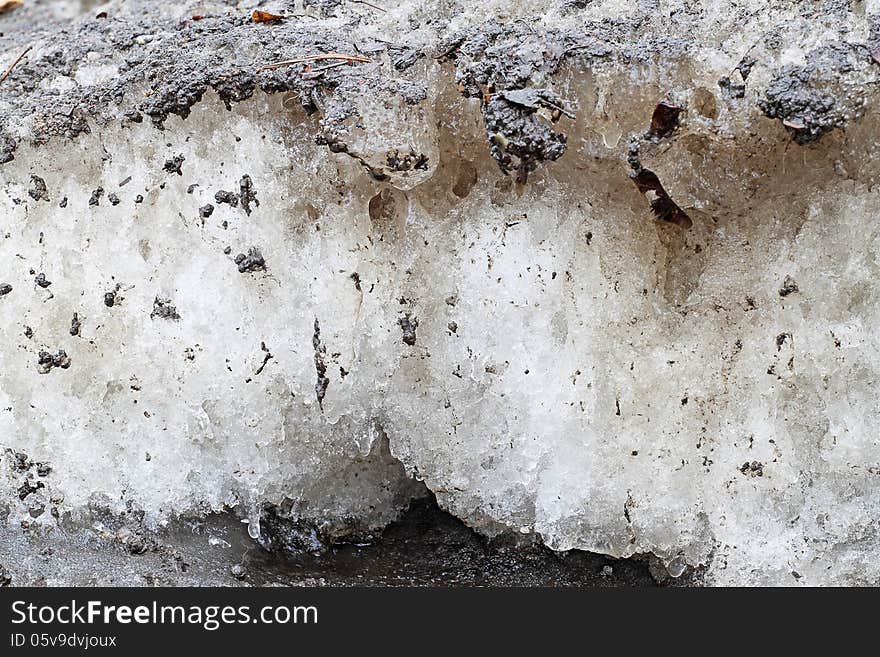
{"x":370,"y":4}
{"x":14,"y":64}
{"x":328,"y":67}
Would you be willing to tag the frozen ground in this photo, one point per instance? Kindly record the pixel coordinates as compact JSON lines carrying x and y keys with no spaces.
{"x":602,"y":276}
{"x":425,"y":547}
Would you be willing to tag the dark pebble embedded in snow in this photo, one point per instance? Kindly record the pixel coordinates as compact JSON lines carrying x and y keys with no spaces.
{"x":230,"y":198}
{"x":248,"y":195}
{"x":46,"y":361}
{"x":174,"y":165}
{"x":38,"y":190}
{"x":163,"y":309}
{"x":26,"y":489}
{"x":253,"y":261}
{"x":408,"y":325}
{"x":789,"y":286}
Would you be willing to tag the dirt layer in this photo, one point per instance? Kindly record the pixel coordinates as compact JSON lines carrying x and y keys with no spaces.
{"x":426,"y":547}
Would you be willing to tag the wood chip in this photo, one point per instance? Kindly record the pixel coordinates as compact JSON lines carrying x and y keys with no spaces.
{"x":265,"y":17}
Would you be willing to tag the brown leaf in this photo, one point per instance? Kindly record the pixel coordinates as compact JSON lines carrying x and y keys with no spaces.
{"x":664,"y":207}
{"x":265,"y":17}
{"x":665,"y":119}
{"x":6,"y":5}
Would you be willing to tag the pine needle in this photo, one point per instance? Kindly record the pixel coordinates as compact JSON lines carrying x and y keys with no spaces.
{"x":350,"y":59}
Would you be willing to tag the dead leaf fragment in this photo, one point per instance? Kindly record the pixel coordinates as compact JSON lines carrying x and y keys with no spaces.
{"x":265,"y":17}
{"x":7,"y":5}
{"x":663,"y":206}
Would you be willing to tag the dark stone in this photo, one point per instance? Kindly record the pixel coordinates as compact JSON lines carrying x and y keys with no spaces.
{"x":38,"y":190}
{"x":251,"y":262}
{"x":163,"y":309}
{"x":174,"y":165}
{"x":408,"y":325}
